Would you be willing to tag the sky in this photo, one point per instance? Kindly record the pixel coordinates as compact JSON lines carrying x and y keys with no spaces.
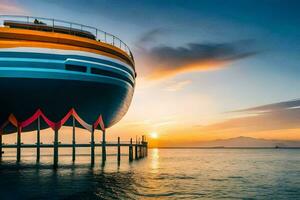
{"x":207,"y":70}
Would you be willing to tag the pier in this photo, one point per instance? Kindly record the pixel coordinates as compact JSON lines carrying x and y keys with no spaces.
{"x":140,"y":146}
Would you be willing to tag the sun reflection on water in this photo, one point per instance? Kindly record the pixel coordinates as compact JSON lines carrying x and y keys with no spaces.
{"x":155,"y":160}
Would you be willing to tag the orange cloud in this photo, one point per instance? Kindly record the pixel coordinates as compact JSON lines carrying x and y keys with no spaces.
{"x":271,"y":117}
{"x":161,"y":72}
{"x":166,"y":61}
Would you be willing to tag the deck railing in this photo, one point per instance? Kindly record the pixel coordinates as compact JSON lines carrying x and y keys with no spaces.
{"x":98,"y":34}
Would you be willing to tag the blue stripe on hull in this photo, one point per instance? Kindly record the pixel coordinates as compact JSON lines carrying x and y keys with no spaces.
{"x":63,"y":58}
{"x":52,"y":68}
{"x":29,"y":81}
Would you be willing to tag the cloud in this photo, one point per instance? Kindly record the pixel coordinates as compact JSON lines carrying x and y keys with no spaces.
{"x":166,"y":61}
{"x":9,"y":7}
{"x":176,"y":86}
{"x":150,"y":36}
{"x":273,"y":107}
{"x":277,"y":116}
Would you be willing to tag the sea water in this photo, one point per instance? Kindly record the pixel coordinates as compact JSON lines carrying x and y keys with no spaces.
{"x":164,"y":174}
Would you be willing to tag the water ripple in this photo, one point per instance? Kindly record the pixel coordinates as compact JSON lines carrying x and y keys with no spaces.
{"x":165,"y":174}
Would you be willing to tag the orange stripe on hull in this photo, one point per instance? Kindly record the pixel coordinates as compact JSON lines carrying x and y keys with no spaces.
{"x":18,"y":43}
{"x":11,"y":37}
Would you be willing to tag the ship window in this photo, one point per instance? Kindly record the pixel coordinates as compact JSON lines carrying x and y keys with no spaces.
{"x":111,"y":74}
{"x":76,"y":68}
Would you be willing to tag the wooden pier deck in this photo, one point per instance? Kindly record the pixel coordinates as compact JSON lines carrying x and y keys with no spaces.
{"x":141,"y":149}
{"x":68,"y":145}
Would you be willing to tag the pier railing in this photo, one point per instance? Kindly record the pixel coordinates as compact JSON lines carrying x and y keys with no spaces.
{"x":56,"y":25}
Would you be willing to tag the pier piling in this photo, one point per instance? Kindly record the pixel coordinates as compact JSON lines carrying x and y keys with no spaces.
{"x":130,"y":151}
{"x":139,"y":149}
{"x":92,"y":147}
{"x":19,"y":144}
{"x":73,"y":139}
{"x":119,"y":150}
{"x":1,"y":146}
{"x":38,"y":140}
{"x":103,"y":146}
{"x":146,"y":148}
{"x":136,"y":148}
{"x":55,"y":153}
{"x":143,"y":146}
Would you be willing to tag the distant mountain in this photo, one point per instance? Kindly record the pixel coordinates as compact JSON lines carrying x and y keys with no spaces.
{"x":248,"y":142}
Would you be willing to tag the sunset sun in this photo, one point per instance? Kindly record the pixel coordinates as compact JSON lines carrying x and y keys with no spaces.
{"x":153,"y":135}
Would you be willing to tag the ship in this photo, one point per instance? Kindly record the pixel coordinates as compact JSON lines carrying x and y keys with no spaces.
{"x":55,"y":65}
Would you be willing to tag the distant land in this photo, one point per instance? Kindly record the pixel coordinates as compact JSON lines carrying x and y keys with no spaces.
{"x":240,"y":142}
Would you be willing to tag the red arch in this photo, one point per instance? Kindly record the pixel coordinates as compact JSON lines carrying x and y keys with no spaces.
{"x":54,"y":125}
